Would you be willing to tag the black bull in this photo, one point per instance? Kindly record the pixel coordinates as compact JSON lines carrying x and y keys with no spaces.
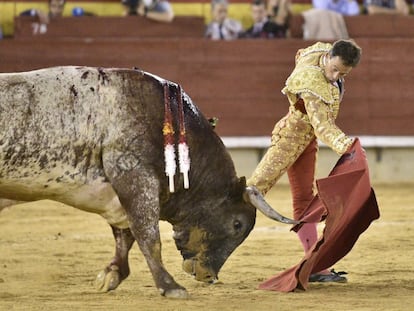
{"x":94,"y":139}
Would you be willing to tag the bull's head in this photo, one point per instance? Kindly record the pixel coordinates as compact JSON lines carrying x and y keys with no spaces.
{"x":206,"y":243}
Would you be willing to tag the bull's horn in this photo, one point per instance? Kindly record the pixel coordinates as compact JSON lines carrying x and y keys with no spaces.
{"x":257,"y":200}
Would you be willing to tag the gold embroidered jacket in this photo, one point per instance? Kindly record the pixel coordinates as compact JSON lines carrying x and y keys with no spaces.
{"x":321,"y":98}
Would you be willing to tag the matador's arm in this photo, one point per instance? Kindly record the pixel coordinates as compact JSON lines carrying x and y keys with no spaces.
{"x":322,"y":119}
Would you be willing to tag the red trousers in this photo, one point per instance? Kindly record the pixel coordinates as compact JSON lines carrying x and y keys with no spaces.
{"x":302,"y":179}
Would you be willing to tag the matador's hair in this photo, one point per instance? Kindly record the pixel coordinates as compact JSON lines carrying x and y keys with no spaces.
{"x":348,"y":51}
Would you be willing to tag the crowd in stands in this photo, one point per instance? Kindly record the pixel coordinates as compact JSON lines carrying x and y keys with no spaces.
{"x":158,"y":10}
{"x":270,"y":18}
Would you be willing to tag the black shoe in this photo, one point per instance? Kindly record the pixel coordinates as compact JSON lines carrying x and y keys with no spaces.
{"x":331,"y":277}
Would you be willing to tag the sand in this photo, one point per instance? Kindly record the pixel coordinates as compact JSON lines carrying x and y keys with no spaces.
{"x":50,"y":254}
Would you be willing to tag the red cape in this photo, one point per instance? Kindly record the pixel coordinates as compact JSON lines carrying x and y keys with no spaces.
{"x":348,"y":204}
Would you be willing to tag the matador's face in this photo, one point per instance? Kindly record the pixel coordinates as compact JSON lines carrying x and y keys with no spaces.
{"x":334,"y":68}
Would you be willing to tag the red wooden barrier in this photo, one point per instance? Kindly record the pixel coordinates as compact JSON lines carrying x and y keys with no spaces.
{"x":240,"y":81}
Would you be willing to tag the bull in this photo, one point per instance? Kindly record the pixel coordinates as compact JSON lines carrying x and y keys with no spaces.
{"x":96,"y":139}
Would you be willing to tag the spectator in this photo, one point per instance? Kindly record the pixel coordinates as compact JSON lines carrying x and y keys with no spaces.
{"x":344,"y":7}
{"x":157,"y":10}
{"x":373,"y":7}
{"x":279,"y":12}
{"x":324,"y":25}
{"x":56,"y":8}
{"x":325,"y":20}
{"x":262,"y":26}
{"x":222,"y":27}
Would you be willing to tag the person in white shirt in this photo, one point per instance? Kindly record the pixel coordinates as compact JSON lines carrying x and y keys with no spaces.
{"x":222,"y":27}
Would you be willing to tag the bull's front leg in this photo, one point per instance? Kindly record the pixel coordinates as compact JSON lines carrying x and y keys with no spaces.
{"x":150,"y":245}
{"x":139,"y":195}
{"x":145,"y":228}
{"x":118,"y":269}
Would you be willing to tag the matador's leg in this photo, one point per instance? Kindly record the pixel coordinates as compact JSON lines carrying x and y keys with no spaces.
{"x":301,"y":178}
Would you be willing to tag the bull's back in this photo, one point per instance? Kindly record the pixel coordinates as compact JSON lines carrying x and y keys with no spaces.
{"x":57,"y":104}
{"x":56,"y":122}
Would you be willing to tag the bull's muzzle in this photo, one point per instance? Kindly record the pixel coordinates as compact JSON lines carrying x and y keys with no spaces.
{"x":201,"y":273}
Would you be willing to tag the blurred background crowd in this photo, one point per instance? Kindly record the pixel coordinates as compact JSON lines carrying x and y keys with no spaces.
{"x":224,"y":19}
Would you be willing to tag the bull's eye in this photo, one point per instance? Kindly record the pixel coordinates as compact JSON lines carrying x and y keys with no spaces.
{"x":237,"y":225}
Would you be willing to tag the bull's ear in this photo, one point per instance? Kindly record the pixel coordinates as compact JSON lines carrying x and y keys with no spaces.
{"x":239,"y":187}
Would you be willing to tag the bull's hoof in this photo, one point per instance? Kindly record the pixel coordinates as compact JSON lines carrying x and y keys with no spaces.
{"x":108,"y":279}
{"x":175,"y":293}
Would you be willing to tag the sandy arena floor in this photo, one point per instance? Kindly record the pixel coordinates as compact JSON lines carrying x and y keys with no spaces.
{"x":50,"y":254}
